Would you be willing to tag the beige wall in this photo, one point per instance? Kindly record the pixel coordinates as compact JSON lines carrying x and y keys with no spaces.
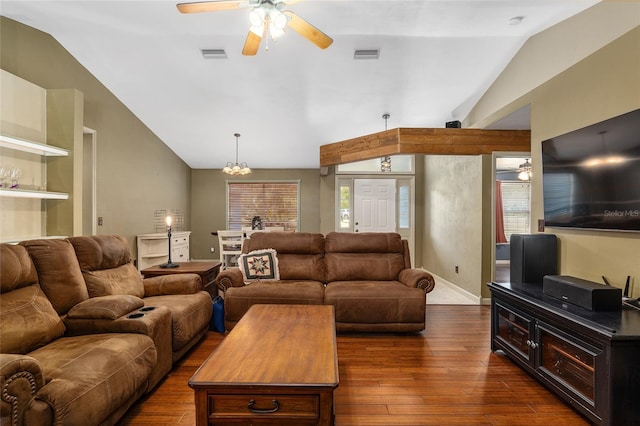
{"x":136,"y":172}
{"x":209,"y":203}
{"x":602,"y":85}
{"x":453,"y":231}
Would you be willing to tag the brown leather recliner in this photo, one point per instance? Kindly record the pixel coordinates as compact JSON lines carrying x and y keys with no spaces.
{"x":105,"y":261}
{"x":49,"y":375}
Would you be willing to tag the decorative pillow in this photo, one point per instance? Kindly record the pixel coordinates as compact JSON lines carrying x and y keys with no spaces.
{"x":259,"y":265}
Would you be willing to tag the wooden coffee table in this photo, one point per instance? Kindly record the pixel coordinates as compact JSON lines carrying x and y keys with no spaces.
{"x":278,"y":365}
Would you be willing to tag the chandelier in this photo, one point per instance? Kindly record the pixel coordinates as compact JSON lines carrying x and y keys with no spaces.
{"x":236,"y":168}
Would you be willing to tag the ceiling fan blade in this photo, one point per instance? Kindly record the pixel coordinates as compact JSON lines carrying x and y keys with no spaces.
{"x":210,"y":6}
{"x":307,"y":30}
{"x":251,"y":44}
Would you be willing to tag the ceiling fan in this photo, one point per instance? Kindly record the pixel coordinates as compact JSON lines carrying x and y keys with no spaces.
{"x":266,"y":17}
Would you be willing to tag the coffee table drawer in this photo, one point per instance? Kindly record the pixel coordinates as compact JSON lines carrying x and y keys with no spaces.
{"x":253,"y":406}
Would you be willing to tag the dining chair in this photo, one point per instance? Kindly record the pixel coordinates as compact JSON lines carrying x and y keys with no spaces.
{"x":230,"y":242}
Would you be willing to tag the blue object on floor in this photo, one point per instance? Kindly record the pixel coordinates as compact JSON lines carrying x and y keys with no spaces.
{"x":217,"y":317}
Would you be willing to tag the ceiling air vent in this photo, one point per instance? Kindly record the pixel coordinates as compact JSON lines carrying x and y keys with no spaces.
{"x":366,"y":54}
{"x":214,"y":54}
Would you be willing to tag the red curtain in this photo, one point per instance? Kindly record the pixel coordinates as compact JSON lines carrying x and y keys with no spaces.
{"x":500,"y":237}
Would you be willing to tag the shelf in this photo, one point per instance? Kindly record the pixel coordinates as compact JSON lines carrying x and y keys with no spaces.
{"x":153,"y":255}
{"x":32,"y":147}
{"x":26,"y":193}
{"x":41,"y":237}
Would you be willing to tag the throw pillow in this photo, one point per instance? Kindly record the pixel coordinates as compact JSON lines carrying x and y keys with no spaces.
{"x":259,"y":265}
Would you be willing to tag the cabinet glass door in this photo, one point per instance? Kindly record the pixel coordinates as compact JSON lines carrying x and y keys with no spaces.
{"x":513,"y":329}
{"x":569,"y":362}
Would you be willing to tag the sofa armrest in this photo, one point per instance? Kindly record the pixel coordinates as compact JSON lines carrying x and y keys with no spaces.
{"x":21,"y":377}
{"x":418,"y":278}
{"x":105,"y":307}
{"x":172,"y":284}
{"x":231,"y":277}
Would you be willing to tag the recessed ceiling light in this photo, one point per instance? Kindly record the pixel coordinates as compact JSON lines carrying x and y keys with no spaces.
{"x":366,"y":54}
{"x":516,"y":20}
{"x":214,"y":54}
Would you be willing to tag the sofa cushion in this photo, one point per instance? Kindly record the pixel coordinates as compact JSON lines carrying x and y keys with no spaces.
{"x":300,"y":254}
{"x":58,"y":272}
{"x":190,"y":314}
{"x":238,"y":300}
{"x":123,"y":279}
{"x":17,"y":268}
{"x":259,"y":265}
{"x":88,"y":377}
{"x":101,"y":251}
{"x":375,"y":302}
{"x":366,"y":256}
{"x":27,"y":320}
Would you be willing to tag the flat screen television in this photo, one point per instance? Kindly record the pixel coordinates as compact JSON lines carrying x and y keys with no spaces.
{"x":591,"y":176}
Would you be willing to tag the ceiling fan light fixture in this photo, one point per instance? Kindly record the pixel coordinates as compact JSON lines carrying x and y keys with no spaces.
{"x":256,"y":17}
{"x":278,"y":19}
{"x":525,"y":171}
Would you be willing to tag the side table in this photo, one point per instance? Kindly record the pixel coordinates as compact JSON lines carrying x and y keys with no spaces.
{"x":208,"y":271}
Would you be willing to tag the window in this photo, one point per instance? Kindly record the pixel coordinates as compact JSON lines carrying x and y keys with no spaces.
{"x":277,"y":203}
{"x":516,"y":205}
{"x":345,"y":204}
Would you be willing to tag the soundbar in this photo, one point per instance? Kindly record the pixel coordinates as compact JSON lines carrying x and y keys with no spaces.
{"x":583,"y":293}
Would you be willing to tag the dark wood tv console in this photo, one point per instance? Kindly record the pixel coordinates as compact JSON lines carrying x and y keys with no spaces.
{"x":590,"y":359}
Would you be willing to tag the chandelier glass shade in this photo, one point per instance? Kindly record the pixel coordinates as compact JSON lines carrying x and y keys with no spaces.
{"x":236,"y":168}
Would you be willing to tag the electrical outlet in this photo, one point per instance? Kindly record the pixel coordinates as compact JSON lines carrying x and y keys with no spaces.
{"x":99,"y":220}
{"x":213,"y":249}
{"x":457,"y":269}
{"x":540,"y":225}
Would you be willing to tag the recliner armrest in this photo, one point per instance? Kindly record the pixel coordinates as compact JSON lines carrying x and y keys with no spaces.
{"x":418,"y":278}
{"x":21,"y":376}
{"x":105,"y":307}
{"x":172,"y":284}
{"x":231,"y":277}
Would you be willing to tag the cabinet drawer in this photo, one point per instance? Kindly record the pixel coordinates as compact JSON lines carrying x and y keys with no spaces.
{"x":302,"y":407}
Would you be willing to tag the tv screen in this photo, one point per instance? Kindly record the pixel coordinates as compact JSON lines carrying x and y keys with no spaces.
{"x":591,"y":176}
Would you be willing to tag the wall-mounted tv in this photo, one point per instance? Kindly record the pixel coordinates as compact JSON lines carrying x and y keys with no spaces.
{"x":591,"y":176}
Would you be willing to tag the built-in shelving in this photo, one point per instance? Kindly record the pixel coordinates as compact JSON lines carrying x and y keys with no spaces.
{"x":32,"y":147}
{"x":27,"y":193}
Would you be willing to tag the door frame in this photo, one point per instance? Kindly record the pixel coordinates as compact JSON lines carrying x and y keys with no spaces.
{"x":90,"y":139}
{"x":494,"y":175}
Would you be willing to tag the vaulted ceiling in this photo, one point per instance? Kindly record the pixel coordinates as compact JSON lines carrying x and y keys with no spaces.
{"x":436,"y":59}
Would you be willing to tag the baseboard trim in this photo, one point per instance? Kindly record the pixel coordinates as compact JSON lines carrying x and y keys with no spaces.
{"x":457,"y":289}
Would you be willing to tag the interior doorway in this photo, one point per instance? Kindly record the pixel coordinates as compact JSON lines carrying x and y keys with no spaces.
{"x":511,"y":207}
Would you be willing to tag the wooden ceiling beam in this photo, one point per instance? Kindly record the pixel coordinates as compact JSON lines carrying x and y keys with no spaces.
{"x":438,"y":141}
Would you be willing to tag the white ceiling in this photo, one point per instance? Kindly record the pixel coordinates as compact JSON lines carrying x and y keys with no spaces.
{"x":436,"y":59}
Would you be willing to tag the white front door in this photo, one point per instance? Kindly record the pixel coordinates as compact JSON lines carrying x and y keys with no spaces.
{"x":374,"y":206}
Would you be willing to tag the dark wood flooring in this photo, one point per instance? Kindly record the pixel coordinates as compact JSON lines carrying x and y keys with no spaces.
{"x":446,"y":375}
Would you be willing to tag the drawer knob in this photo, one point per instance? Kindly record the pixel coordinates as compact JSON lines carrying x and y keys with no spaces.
{"x":275,"y":403}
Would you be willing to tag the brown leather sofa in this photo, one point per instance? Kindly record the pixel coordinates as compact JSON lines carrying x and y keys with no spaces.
{"x":367,"y":277}
{"x":71,"y":356}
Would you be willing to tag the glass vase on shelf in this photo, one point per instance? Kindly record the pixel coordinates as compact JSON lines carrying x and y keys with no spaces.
{"x":14,"y":176}
{"x":4,"y":174}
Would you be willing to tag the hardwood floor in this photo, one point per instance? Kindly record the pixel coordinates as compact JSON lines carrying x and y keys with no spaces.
{"x":446,"y":375}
